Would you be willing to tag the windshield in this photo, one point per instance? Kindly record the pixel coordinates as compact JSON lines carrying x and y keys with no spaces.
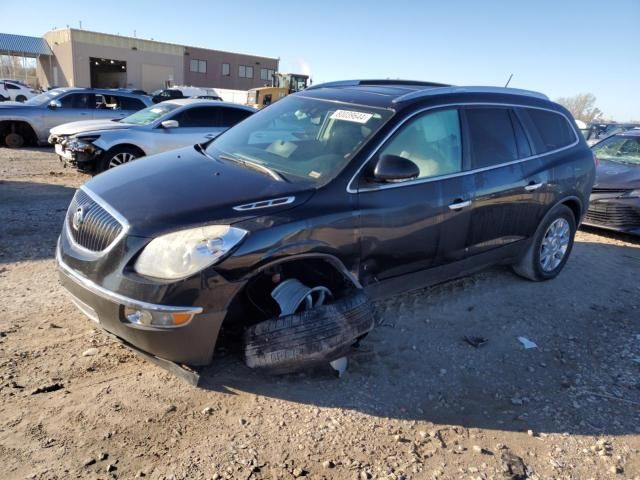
{"x":43,"y":98}
{"x":302,"y":137}
{"x":150,"y":114}
{"x":619,"y":149}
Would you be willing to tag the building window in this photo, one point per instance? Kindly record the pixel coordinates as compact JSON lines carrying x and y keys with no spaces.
{"x":199,"y":66}
{"x":226,"y":70}
{"x":266,"y":74}
{"x":244,"y":71}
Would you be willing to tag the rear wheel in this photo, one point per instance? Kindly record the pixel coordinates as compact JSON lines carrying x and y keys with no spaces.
{"x":551,"y":246}
{"x":21,"y":98}
{"x":118,"y":156}
{"x":14,"y":140}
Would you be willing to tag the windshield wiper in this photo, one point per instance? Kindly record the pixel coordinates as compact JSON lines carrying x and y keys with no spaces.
{"x":256,"y":166}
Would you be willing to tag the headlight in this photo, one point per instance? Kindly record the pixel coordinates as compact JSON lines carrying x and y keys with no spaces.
{"x":181,"y":254}
{"x":634,"y":193}
{"x":82,"y":144}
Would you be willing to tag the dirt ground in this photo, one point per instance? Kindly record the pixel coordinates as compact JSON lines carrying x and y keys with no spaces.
{"x":417,"y":402}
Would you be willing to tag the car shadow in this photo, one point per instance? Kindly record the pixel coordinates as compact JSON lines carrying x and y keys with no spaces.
{"x":416,"y":365}
{"x":32,"y":215}
{"x":623,"y":237}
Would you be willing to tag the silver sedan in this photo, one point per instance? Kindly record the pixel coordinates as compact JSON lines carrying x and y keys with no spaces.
{"x":95,"y":146}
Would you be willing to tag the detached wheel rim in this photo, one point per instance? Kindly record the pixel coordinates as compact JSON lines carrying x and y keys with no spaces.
{"x":555,"y":244}
{"x":120,"y":158}
{"x":293,"y":296}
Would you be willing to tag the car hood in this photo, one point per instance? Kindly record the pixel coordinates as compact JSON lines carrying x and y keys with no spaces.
{"x":617,"y":175}
{"x":86,"y":126}
{"x":14,"y":106}
{"x":184,"y":188}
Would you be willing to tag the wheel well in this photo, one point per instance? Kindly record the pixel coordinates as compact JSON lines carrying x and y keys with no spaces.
{"x":253,"y":303}
{"x":18,"y":126}
{"x":575,"y":207}
{"x":128,"y":145}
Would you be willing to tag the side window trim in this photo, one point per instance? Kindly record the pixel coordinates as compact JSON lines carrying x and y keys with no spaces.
{"x":523,"y":144}
{"x":352,"y":184}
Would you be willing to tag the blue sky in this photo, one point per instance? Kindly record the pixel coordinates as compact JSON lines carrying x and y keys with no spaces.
{"x":559,"y":47}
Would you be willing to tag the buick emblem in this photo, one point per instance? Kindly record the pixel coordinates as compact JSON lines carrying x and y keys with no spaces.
{"x":78,"y":218}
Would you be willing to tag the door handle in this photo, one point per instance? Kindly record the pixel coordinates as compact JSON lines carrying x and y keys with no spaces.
{"x":457,"y":205}
{"x":210,"y":135}
{"x":533,"y":186}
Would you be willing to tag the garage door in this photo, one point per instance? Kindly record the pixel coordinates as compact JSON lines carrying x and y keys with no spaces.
{"x":155,"y":76}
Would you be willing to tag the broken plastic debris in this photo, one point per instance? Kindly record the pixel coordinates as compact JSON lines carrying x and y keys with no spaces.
{"x":526,"y":343}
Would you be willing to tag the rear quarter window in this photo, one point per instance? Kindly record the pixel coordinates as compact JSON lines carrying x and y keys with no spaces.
{"x":548,"y":130}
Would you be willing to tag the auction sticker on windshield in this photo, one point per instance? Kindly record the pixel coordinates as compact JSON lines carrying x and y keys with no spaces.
{"x":351,"y":116}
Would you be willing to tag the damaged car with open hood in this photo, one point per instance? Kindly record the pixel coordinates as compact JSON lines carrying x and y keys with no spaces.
{"x":284,"y":228}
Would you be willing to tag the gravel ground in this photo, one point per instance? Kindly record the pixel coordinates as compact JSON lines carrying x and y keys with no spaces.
{"x":417,"y":402}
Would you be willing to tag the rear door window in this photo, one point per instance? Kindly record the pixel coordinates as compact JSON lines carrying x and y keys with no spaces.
{"x":129,"y":103}
{"x":231,"y":116}
{"x":492,"y":136}
{"x":548,"y":130}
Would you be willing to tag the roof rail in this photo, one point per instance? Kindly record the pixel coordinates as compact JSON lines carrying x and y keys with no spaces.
{"x":386,"y":81}
{"x":450,"y":89}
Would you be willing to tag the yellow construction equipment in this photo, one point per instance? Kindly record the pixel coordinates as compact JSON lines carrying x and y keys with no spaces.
{"x":282,"y":84}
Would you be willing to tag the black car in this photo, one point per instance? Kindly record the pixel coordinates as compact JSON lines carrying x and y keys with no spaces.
{"x":287,"y":225}
{"x":615,"y":199}
{"x":599,"y":131}
{"x":166,"y":94}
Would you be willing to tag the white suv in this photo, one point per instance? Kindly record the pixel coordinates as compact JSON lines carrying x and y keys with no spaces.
{"x":16,"y":91}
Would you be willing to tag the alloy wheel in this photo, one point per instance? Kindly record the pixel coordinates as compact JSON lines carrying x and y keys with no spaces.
{"x":120,"y":158}
{"x":555,"y":244}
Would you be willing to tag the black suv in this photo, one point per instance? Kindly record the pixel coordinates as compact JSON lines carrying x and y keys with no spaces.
{"x":288,"y":224}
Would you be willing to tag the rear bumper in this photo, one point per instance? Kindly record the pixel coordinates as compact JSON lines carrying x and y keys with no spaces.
{"x":191,"y":344}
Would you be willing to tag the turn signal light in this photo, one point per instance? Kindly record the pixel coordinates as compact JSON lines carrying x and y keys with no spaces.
{"x":154,"y":318}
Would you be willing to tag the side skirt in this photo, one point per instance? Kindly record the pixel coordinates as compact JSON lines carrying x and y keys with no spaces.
{"x":433,"y":276}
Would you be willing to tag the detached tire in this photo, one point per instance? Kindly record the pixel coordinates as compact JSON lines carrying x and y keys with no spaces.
{"x":551,"y":246}
{"x":309,"y":338}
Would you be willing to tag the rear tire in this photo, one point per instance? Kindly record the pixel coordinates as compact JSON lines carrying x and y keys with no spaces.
{"x":117,"y":156}
{"x":14,"y":140}
{"x":550,"y":247}
{"x":21,"y":98}
{"x":309,"y":338}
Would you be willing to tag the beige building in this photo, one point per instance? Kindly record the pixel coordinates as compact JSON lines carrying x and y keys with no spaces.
{"x":90,"y":59}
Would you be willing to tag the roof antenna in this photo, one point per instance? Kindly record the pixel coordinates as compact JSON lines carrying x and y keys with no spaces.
{"x":508,"y":81}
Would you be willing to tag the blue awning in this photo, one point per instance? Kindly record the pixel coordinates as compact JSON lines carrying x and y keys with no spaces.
{"x":23,"y":46}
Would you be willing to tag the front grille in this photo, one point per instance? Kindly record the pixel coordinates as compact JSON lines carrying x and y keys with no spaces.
{"x":613,"y":215}
{"x":94,"y":227}
{"x":612,"y":191}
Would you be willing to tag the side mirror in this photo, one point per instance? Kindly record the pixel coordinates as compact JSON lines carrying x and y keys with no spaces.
{"x":53,"y":104}
{"x":170,"y":124}
{"x":392,"y":168}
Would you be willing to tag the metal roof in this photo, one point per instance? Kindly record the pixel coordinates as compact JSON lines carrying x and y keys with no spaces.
{"x":23,"y":45}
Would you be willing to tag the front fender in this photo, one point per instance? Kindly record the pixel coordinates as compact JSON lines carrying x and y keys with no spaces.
{"x":107,"y":141}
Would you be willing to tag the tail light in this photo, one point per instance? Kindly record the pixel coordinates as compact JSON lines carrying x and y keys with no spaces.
{"x":596,"y":160}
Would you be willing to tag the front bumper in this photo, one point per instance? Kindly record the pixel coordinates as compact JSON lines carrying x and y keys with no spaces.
{"x":190,"y":344}
{"x":614,"y":213}
{"x":83,"y":160}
